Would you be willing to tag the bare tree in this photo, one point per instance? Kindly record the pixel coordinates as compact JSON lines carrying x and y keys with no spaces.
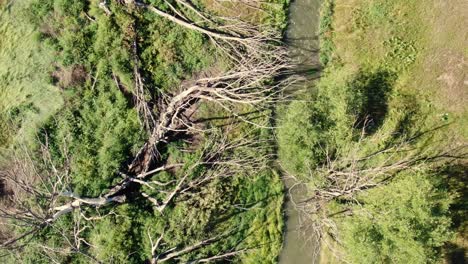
{"x":40,"y":194}
{"x":175,"y":253}
{"x":344,"y":175}
{"x":260,"y":71}
{"x":257,"y":76}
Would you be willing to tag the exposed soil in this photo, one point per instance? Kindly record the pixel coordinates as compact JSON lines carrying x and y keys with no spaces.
{"x":453,"y":80}
{"x":445,"y":64}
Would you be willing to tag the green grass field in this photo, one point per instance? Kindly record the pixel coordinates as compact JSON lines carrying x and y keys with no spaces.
{"x":420,"y":48}
{"x":27,"y":98}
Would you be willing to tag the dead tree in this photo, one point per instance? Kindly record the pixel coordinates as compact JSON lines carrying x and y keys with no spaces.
{"x":258,"y":60}
{"x":40,"y":194}
{"x":256,"y":77}
{"x":236,"y":38}
{"x":175,"y":253}
{"x":245,"y":85}
{"x":351,"y":172}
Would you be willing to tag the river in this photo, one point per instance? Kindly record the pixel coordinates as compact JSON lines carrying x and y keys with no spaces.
{"x":302,"y":38}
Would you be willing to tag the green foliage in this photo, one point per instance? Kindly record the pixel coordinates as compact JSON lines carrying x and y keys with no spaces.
{"x":117,"y":238}
{"x":107,"y":132}
{"x":277,"y":15}
{"x":264,"y":223}
{"x":403,"y":222}
{"x":97,"y":130}
{"x":171,"y":52}
{"x":326,"y":31}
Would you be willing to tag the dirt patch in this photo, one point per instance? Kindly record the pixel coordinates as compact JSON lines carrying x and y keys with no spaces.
{"x":452,"y":80}
{"x":445,"y":64}
{"x":69,"y":76}
{"x":246,"y":10}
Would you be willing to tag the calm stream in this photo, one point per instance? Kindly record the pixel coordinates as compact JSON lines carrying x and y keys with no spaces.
{"x":303,"y":42}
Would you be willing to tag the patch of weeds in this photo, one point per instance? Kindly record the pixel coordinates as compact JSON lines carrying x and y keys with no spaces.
{"x":401,"y":54}
{"x":327,"y":46}
{"x":379,"y":11}
{"x":375,"y":14}
{"x":359,"y":19}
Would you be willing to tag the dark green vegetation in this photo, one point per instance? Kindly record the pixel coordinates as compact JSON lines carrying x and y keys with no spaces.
{"x":68,"y":80}
{"x":381,"y":140}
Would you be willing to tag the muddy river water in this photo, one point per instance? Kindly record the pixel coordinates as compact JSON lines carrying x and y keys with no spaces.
{"x":299,"y":246}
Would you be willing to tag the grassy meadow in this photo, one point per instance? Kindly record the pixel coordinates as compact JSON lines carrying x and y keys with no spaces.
{"x":395,"y":70}
{"x":27,"y":97}
{"x":422,"y":46}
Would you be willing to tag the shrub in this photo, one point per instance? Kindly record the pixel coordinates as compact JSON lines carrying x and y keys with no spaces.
{"x":406,"y":221}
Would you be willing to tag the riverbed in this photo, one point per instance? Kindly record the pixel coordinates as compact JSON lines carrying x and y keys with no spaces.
{"x":302,"y":38}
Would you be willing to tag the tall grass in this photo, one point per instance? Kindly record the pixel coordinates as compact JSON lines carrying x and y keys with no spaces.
{"x":26,"y":97}
{"x":370,"y":50}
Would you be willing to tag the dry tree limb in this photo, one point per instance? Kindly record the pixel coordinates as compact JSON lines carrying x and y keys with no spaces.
{"x":189,"y":25}
{"x":174,"y":253}
{"x":192,"y":8}
{"x":154,"y":247}
{"x":353,"y":172}
{"x":236,"y":38}
{"x":128,"y":179}
{"x":141,"y":103}
{"x":103,"y":6}
{"x":38,"y":191}
{"x":220,"y":161}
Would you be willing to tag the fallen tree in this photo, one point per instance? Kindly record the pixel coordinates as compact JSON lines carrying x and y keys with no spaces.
{"x":40,"y":194}
{"x":257,"y":76}
{"x":344,"y":176}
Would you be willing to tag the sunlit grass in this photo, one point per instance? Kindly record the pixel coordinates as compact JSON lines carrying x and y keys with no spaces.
{"x":26,"y":97}
{"x":421,"y":43}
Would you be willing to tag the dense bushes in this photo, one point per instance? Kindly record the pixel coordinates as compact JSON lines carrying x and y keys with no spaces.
{"x":328,"y":118}
{"x":171,"y":53}
{"x":102,"y":132}
{"x":97,"y":131}
{"x":403,"y":222}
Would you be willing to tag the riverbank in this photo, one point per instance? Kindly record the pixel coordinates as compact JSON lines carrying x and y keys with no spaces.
{"x":422,"y":44}
{"x":299,"y":245}
{"x":394,"y":71}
